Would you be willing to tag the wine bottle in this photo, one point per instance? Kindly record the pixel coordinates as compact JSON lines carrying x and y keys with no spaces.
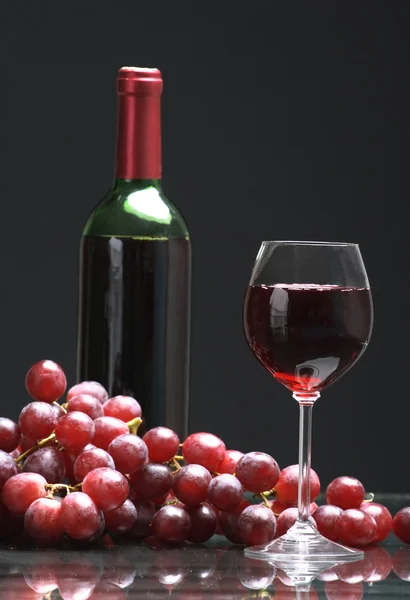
{"x":135,"y":271}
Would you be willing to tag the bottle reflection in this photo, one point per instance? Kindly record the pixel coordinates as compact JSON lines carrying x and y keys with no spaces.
{"x":188,"y":573}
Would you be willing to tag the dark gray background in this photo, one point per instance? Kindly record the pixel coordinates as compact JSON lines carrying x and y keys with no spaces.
{"x":280,"y":120}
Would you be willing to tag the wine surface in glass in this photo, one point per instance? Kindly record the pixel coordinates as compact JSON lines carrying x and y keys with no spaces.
{"x":307,"y":335}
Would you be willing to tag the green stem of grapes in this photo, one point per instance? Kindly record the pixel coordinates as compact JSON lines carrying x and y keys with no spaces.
{"x":178,"y":457}
{"x":264,"y":500}
{"x":176,"y":464}
{"x":134,"y":425}
{"x":39,"y":444}
{"x":63,"y":406}
{"x":370,"y":498}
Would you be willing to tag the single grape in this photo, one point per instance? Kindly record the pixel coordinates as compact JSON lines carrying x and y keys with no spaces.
{"x":286,"y":520}
{"x":107,"y":487}
{"x":46,"y":381}
{"x":256,"y":574}
{"x":37,"y":420}
{"x":89,"y":460}
{"x":75,"y":430}
{"x":80,"y":516}
{"x":258,"y":472}
{"x":8,"y":468}
{"x":191,"y":483}
{"x":23,"y":489}
{"x":77,"y":580}
{"x":401,"y":525}
{"x":171,"y":524}
{"x":48,"y":462}
{"x":383,"y":518}
{"x":9,"y":435}
{"x":162,"y":444}
{"x":42,"y":578}
{"x":229,"y":462}
{"x":355,"y":572}
{"x":256,"y":525}
{"x":121,"y":519}
{"x":42,"y":520}
{"x":58,"y":409}
{"x":11,"y":526}
{"x":91,"y":388}
{"x":228,"y":523}
{"x":382,"y":563}
{"x":346,"y":492}
{"x":225,"y":492}
{"x":204,"y":449}
{"x":15,"y":587}
{"x":106,"y":429}
{"x":153,"y":481}
{"x":107,"y":591}
{"x":129,"y":452}
{"x":203,"y":523}
{"x":124,"y":408}
{"x":119,"y":572}
{"x":355,"y":528}
{"x":326,"y":517}
{"x":145,"y":513}
{"x":286,"y":489}
{"x":90,"y":405}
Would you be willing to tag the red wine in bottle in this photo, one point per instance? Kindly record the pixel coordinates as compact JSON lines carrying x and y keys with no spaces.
{"x":135,"y":271}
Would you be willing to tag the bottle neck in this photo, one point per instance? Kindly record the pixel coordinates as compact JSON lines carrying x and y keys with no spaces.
{"x":138,"y":137}
{"x":126,"y":186}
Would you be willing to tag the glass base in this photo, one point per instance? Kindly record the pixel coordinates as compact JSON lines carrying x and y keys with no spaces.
{"x":303,"y":550}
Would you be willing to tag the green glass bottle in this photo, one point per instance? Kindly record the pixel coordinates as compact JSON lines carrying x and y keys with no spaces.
{"x":135,"y":271}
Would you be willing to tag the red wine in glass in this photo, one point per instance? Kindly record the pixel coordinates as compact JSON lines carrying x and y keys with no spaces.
{"x":307,"y":335}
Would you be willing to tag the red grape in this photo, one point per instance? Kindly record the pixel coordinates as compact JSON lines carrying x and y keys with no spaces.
{"x":401,"y":525}
{"x":129,"y":452}
{"x":48,"y":462}
{"x":204,"y":449}
{"x":171,"y":524}
{"x":42,"y":520}
{"x":256,"y":574}
{"x":89,"y":460}
{"x":75,"y":430}
{"x":383,"y":518}
{"x":162,"y":444}
{"x":346,"y":492}
{"x":46,"y":381}
{"x":37,"y":420}
{"x":42,"y":578}
{"x":286,"y":520}
{"x":91,"y":388}
{"x":80,"y":516}
{"x":9,"y":435}
{"x":87,"y":404}
{"x":258,"y":472}
{"x":107,"y":591}
{"x":21,"y":490}
{"x":225,"y":492}
{"x":203,"y":523}
{"x":382,"y":563}
{"x":121,"y":519}
{"x":10,"y":525}
{"x":229,"y":462}
{"x":228,"y":523}
{"x":355,"y":528}
{"x":191,"y":484}
{"x":8,"y":468}
{"x":15,"y":454}
{"x":15,"y":587}
{"x":145,"y":513}
{"x":108,"y":488}
{"x":355,"y":572}
{"x":256,"y":525}
{"x":277,"y":507}
{"x":326,"y":517}
{"x":153,"y":481}
{"x":124,"y":408}
{"x":106,"y":429}
{"x":286,"y":489}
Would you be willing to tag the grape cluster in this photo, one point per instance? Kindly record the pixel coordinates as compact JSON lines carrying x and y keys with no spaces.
{"x":77,"y":469}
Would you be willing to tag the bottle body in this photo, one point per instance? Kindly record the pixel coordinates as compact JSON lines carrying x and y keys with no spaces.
{"x":134,"y":307}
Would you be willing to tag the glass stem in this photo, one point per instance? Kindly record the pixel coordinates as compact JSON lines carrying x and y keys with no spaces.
{"x":305,"y":451}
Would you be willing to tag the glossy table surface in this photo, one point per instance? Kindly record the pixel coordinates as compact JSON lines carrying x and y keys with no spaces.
{"x":216,"y":570}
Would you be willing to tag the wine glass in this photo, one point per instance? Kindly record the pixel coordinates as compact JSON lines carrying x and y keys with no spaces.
{"x":308,"y":317}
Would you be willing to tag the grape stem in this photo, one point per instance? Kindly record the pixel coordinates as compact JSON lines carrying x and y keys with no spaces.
{"x":63,"y":406}
{"x":370,"y":498}
{"x":178,"y":457}
{"x":175,"y":464}
{"x":39,"y":444}
{"x":264,"y":500}
{"x":134,"y":424}
{"x":53,"y":487}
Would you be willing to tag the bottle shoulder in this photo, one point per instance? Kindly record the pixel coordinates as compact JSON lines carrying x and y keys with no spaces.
{"x":142,"y":212}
